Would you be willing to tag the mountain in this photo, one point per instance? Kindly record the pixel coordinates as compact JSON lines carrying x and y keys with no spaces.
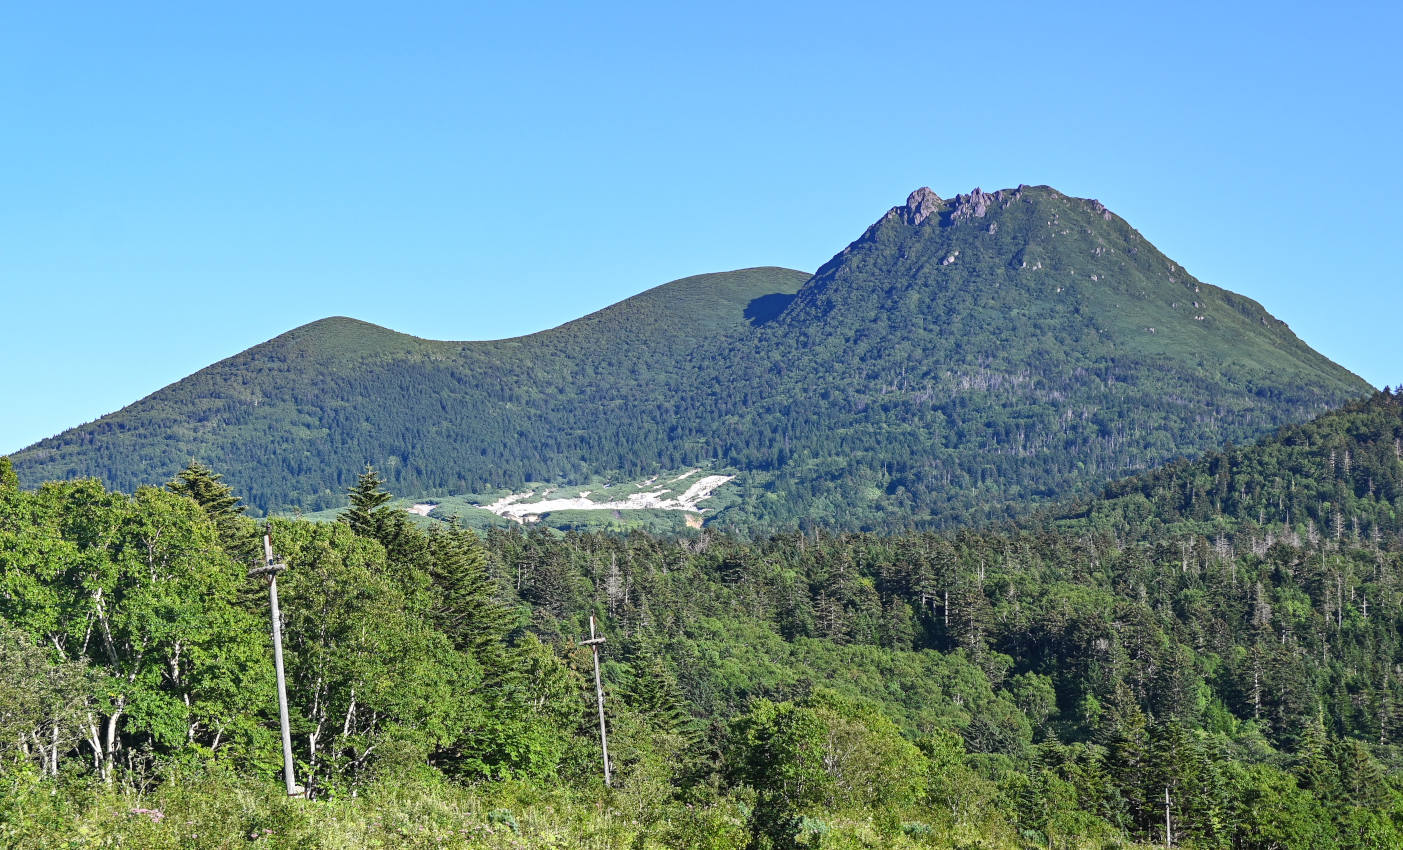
{"x":962,"y":359}
{"x":1000,"y":348}
{"x":292,"y":421}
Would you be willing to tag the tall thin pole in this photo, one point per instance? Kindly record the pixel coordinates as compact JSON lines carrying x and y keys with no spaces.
{"x":271,"y":569}
{"x":1166,"y":816}
{"x":593,"y":643}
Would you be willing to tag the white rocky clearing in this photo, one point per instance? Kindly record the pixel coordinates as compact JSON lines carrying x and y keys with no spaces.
{"x":515,"y":507}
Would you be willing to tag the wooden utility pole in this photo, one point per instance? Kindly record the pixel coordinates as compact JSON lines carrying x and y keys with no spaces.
{"x":270,"y":569}
{"x":593,"y":643}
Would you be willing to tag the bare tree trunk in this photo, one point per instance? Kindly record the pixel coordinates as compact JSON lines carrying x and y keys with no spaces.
{"x":1256,"y":692}
{"x":106,"y":628}
{"x":350,"y":716}
{"x":110,"y":750}
{"x":94,"y":743}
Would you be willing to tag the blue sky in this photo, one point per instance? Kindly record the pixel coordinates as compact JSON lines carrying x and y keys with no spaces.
{"x":180,"y":184}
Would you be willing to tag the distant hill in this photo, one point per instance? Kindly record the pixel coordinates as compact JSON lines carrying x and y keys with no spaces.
{"x":1338,"y":477}
{"x":961,"y":360}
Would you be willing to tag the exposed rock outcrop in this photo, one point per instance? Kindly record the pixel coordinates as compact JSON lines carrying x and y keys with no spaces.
{"x":1100,"y":208}
{"x":920,"y":205}
{"x":973,"y":205}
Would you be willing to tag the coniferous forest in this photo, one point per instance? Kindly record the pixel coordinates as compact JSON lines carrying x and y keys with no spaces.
{"x":1209,"y":655}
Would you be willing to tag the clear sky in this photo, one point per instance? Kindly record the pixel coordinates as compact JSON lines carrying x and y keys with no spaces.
{"x":179,"y":184}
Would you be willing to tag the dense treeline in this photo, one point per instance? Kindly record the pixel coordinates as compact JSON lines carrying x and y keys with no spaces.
{"x":1064,"y":684}
{"x":1337,"y":476}
{"x":935,"y":373}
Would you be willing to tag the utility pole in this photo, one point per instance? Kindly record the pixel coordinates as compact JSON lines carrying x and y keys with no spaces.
{"x":593,"y":643}
{"x":271,"y":569}
{"x":1166,"y":816}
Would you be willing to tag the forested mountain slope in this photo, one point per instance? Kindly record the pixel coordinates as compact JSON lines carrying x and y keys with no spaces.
{"x":1338,"y":476}
{"x":997,"y":348}
{"x":1243,"y":662}
{"x":960,"y":360}
{"x":293,"y":420}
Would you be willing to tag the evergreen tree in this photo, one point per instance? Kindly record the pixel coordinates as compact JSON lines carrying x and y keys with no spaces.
{"x":370,"y":515}
{"x":368,"y":512}
{"x":1128,"y":756}
{"x":467,"y":609}
{"x":653,"y":692}
{"x":1314,"y":768}
{"x":1362,"y":778}
{"x":207,"y":488}
{"x":1182,"y":768}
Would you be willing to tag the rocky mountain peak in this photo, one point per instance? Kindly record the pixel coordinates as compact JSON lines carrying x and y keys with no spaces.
{"x":974,"y":205}
{"x":920,"y":205}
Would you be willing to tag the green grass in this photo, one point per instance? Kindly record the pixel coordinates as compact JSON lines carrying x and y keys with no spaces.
{"x":211,"y":809}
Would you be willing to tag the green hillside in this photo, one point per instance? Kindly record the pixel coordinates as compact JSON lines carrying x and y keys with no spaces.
{"x":960,"y":361}
{"x":293,"y":420}
{"x":1338,"y":477}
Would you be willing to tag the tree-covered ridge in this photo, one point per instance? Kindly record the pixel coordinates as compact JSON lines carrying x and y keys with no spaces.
{"x":1338,"y":476}
{"x":961,"y":360}
{"x":293,"y":420}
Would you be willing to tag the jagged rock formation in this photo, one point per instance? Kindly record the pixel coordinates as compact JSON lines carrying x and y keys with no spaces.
{"x":920,"y":205}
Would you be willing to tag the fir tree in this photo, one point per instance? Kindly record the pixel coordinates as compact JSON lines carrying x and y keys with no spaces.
{"x":1128,"y":754}
{"x":1314,"y":768}
{"x":368,"y":511}
{"x":207,"y":488}
{"x":1362,"y":779}
{"x":653,"y":692}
